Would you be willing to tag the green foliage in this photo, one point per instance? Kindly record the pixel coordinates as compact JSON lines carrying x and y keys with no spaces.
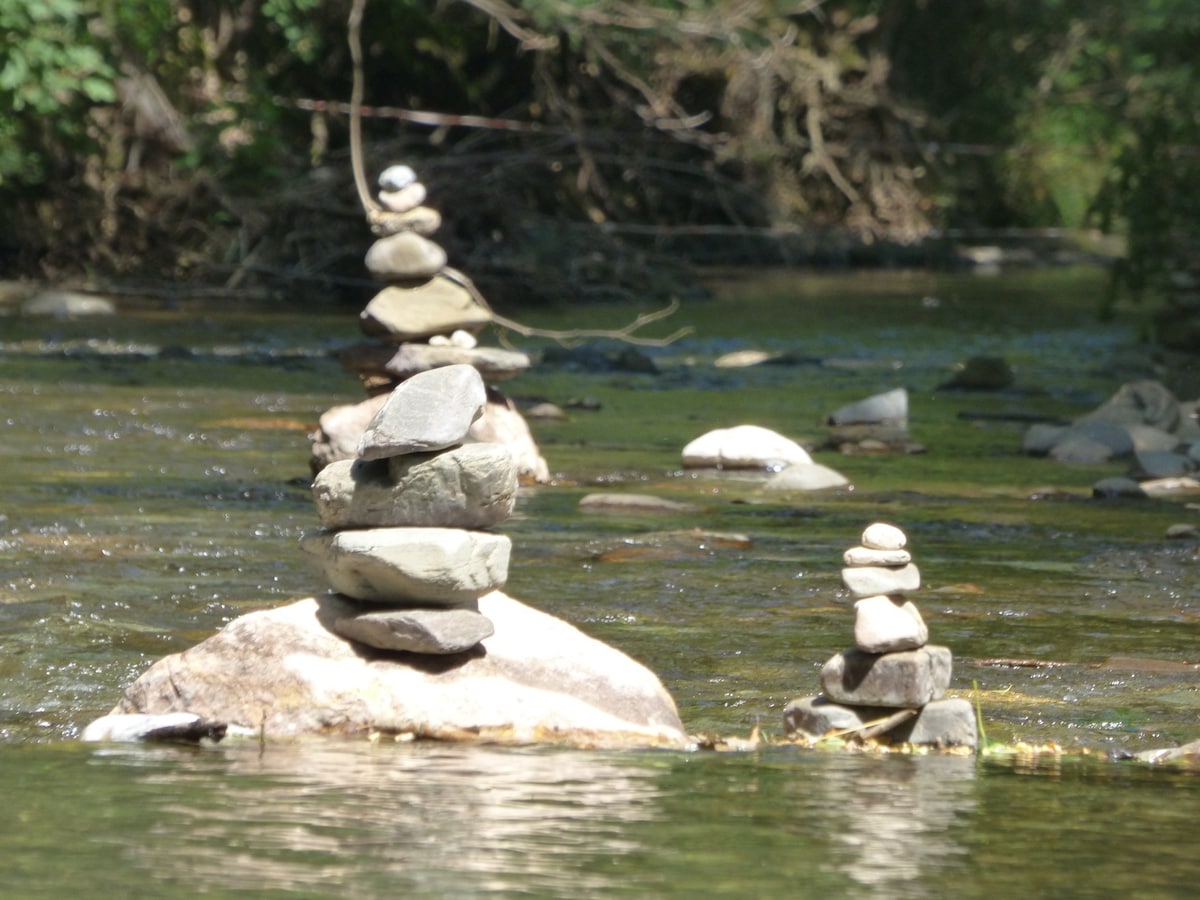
{"x":50,"y":71}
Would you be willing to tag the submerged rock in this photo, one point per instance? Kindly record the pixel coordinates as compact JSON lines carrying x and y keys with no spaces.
{"x":286,"y":673}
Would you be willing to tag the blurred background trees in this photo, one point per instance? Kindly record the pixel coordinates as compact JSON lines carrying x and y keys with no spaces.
{"x":207,"y":139}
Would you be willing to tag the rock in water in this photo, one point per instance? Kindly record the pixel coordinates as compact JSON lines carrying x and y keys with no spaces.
{"x":399,"y":566}
{"x":537,"y":680}
{"x":433,"y":631}
{"x":430,"y":411}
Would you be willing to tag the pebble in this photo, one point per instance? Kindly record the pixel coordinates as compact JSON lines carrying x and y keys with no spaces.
{"x":882,"y":536}
{"x":396,"y":177}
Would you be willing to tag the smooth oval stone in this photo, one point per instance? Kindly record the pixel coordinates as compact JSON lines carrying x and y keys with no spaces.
{"x":884,"y":625}
{"x":430,"y":411}
{"x":407,"y":198}
{"x":397,"y":177}
{"x":882,"y":536}
{"x":405,"y":255}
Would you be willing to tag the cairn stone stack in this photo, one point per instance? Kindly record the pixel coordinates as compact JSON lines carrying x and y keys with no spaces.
{"x":405,"y":520}
{"x":891,"y":684}
{"x":425,"y":317}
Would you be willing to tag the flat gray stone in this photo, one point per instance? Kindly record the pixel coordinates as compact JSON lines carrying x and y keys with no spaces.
{"x":1162,"y":464}
{"x":409,"y":359}
{"x":882,"y":536}
{"x":1117,"y":486}
{"x":865,"y":556}
{"x":941,"y":723}
{"x":441,"y":566}
{"x":67,"y":304}
{"x":909,"y":678}
{"x":815,"y":717}
{"x":403,"y":255}
{"x":1145,"y":402}
{"x":884,"y":625}
{"x":438,"y":306}
{"x":866,"y":581}
{"x":472,"y":486}
{"x":1041,"y":438}
{"x":635,"y":503}
{"x":430,"y":411}
{"x":437,"y":632}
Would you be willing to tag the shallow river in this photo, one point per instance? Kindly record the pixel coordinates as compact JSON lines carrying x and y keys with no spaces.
{"x":155,"y":486}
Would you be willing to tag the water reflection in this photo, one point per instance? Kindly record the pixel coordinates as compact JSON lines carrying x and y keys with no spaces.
{"x":422,"y":819}
{"x":894,"y":820}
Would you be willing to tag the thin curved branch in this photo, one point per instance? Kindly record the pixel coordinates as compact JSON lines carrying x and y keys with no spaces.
{"x":354,"y":38}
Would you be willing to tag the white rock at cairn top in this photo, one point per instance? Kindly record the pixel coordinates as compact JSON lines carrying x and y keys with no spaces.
{"x":396,"y":178}
{"x":744,"y":447}
{"x":882,"y":536}
{"x":403,"y":566}
{"x":885,"y":624}
{"x":430,"y":411}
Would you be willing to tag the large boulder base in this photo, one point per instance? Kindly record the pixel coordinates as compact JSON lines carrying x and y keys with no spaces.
{"x":538,"y":679}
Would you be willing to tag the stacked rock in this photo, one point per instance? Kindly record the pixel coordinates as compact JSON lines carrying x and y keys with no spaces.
{"x":405,"y":519}
{"x":890,"y":685}
{"x":425,"y":318}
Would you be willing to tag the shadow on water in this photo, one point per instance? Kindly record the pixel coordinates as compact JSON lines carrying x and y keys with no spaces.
{"x":155,"y":469}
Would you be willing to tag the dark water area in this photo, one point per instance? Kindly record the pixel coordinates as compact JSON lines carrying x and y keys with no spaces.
{"x":155,"y":471}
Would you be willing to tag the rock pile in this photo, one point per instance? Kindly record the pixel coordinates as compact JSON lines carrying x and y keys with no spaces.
{"x":404,"y":519}
{"x":890,"y":685}
{"x":417,"y":638}
{"x":426,"y":317}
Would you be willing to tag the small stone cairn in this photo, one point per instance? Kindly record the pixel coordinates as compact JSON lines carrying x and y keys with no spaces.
{"x":405,"y":520}
{"x":425,"y":318}
{"x":890,"y":685}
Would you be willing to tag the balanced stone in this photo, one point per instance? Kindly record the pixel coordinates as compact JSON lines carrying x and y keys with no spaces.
{"x":941,"y":723}
{"x":472,"y":486}
{"x":865,"y":556}
{"x":891,"y":406}
{"x":440,"y":566}
{"x":433,"y":631}
{"x":882,"y":536}
{"x":406,"y":360}
{"x":405,"y":254}
{"x":397,"y":177}
{"x":438,"y":306}
{"x":865,"y":581}
{"x":421,"y":220}
{"x":815,"y":717}
{"x":431,"y":411}
{"x":906,"y":678}
{"x":883,"y":624}
{"x":407,"y":198}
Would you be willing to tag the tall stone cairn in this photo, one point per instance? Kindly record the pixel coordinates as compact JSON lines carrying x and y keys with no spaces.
{"x":890,"y":686}
{"x":426,"y":317}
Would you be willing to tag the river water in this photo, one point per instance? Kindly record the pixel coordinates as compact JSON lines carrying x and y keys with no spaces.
{"x":155,"y":472}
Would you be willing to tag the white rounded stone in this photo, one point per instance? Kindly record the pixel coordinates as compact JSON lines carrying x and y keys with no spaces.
{"x":882,"y":536}
{"x":395,"y":178}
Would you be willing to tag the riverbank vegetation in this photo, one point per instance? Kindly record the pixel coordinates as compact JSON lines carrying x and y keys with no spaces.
{"x":586,"y":149}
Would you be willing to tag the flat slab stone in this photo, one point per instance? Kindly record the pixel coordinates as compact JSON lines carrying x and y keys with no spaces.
{"x":472,"y":486}
{"x":908,"y":678}
{"x":430,"y":411}
{"x":174,"y":727}
{"x":409,"y":359}
{"x":884,"y":624}
{"x":865,"y":556}
{"x":866,"y":581}
{"x":439,"y":306}
{"x":438,"y":632}
{"x":442,"y":566}
{"x":744,"y":447}
{"x":537,"y":679}
{"x":816,"y":717}
{"x":405,"y":254}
